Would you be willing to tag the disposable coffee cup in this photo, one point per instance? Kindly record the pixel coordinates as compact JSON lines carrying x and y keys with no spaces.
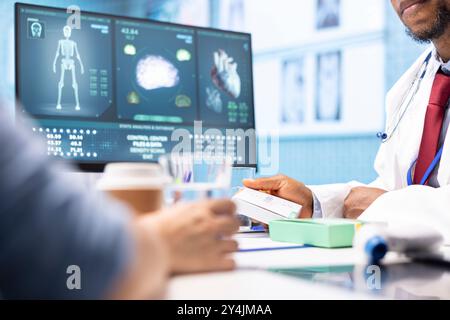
{"x":139,"y":185}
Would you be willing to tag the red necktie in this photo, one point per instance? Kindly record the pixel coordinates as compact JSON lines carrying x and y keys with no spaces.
{"x":434,"y":118}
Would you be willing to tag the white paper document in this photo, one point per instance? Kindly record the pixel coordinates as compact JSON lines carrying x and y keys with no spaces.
{"x":264,"y":207}
{"x":261,"y":242}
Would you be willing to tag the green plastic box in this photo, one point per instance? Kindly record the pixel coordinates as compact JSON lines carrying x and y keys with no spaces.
{"x":325,"y":233}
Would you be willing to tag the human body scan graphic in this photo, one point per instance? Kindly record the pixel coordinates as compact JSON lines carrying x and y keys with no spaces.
{"x":68,"y":49}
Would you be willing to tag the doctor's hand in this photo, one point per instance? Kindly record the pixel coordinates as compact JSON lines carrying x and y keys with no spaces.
{"x":359,"y":199}
{"x":286,"y":188}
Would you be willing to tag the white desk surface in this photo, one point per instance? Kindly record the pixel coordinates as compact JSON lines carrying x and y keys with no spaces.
{"x":251,"y":281}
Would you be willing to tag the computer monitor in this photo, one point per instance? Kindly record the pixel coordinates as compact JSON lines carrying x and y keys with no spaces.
{"x":116,"y":89}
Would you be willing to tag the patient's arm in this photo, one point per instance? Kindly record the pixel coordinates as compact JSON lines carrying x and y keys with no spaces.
{"x":48,"y":223}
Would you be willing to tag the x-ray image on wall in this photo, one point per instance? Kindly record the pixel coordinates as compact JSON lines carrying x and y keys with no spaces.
{"x":232,"y":15}
{"x":328,"y":105}
{"x":192,"y":12}
{"x":293,"y":91}
{"x":328,"y":13}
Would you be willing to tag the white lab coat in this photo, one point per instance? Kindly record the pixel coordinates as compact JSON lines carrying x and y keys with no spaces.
{"x":417,"y":204}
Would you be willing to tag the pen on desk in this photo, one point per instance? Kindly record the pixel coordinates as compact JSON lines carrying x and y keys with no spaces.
{"x":258,"y":228}
{"x":187,"y":177}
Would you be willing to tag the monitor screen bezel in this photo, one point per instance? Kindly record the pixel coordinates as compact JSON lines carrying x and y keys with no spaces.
{"x":99,"y":166}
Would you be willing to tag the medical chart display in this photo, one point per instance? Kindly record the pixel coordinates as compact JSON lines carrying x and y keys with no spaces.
{"x":132,"y":82}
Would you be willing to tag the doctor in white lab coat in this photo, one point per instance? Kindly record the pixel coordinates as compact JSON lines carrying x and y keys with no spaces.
{"x":390,"y":198}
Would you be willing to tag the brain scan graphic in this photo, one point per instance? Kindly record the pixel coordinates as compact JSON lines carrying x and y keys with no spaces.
{"x":154,"y":72}
{"x":36,"y":30}
{"x":224,"y":74}
{"x":183,"y":55}
{"x":129,"y":49}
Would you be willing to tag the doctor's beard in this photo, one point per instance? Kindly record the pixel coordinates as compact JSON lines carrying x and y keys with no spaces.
{"x":440,"y":25}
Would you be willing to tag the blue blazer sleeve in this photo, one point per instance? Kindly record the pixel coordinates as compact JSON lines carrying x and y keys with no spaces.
{"x":48,"y":223}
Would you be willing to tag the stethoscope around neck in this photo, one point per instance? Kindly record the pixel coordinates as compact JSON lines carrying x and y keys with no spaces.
{"x":401,"y":111}
{"x":406,"y":102}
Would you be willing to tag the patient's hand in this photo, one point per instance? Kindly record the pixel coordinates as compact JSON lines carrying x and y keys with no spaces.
{"x":185,"y":238}
{"x":359,"y":199}
{"x":286,"y":188}
{"x":197,"y":235}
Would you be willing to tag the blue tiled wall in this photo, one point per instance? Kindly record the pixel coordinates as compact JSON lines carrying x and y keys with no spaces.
{"x":318,"y":160}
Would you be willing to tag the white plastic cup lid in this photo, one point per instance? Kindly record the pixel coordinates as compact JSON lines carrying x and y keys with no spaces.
{"x":133,"y":176}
